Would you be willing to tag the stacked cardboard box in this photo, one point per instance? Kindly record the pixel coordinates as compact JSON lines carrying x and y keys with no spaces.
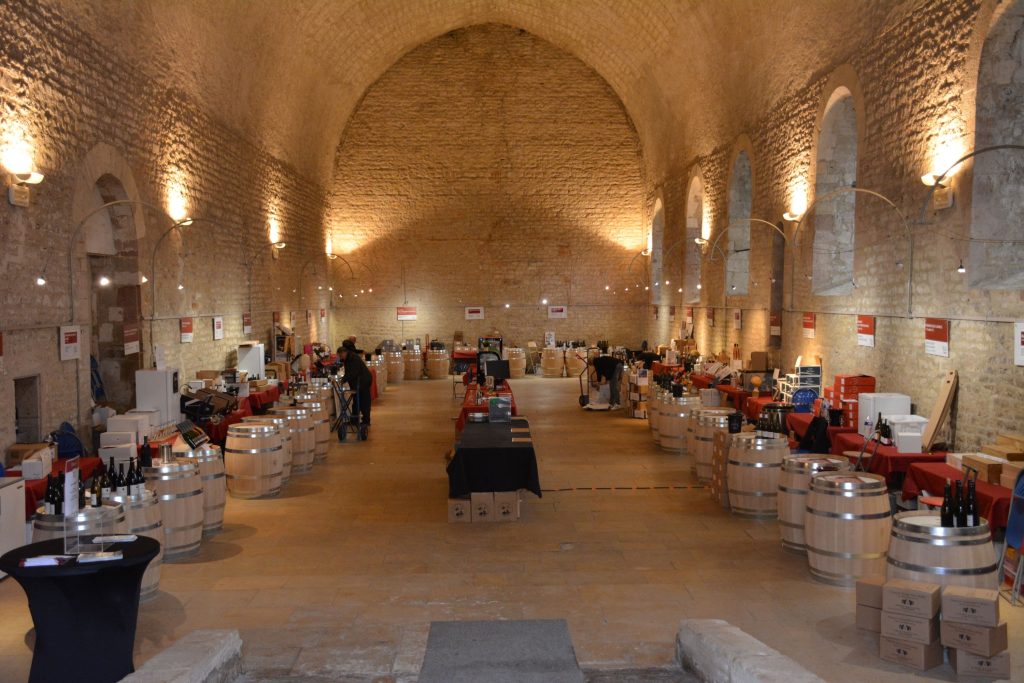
{"x":639,"y":385}
{"x":971,"y":629}
{"x":844,"y":394}
{"x":496,"y":506}
{"x":910,"y":624}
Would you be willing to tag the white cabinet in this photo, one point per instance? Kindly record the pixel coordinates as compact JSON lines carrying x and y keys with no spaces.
{"x":12,"y":514}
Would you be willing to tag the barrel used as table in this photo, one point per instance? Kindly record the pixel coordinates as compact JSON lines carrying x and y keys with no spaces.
{"x":654,"y":397}
{"x":303,"y":431}
{"x":142,"y":518}
{"x":215,"y":492}
{"x":381,"y":367}
{"x":775,"y":415}
{"x":921,"y":549}
{"x":847,"y":526}
{"x":88,"y":521}
{"x":438,"y":363}
{"x":794,"y":485}
{"x":285,"y":432}
{"x":552,"y":361}
{"x":575,"y":361}
{"x":396,"y":366}
{"x":252,"y":460}
{"x":412,"y":360}
{"x":707,"y":421}
{"x":321,"y":427}
{"x":754,"y":464}
{"x":516,"y":362}
{"x":718,"y":487}
{"x":180,"y":492}
{"x":672,"y":423}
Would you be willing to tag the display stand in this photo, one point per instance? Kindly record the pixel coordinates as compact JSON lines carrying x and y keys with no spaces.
{"x":1011,"y":563}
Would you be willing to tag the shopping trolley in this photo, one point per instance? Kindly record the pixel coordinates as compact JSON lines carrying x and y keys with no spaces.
{"x":346,"y":409}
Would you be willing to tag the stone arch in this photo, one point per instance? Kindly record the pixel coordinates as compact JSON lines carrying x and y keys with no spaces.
{"x":103,"y":160}
{"x":998,"y":177}
{"x":839,"y":134}
{"x":741,"y":201}
{"x":696,"y":228}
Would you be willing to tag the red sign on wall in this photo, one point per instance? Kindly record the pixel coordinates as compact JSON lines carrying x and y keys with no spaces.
{"x":185,"y":324}
{"x":810,"y":319}
{"x":711,"y":317}
{"x":936,"y":337}
{"x":247,"y":323}
{"x":866,"y":330}
{"x":131,"y":339}
{"x":407,"y":313}
{"x":775,"y":325}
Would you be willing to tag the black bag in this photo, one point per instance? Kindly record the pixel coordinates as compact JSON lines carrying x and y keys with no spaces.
{"x":816,"y":438}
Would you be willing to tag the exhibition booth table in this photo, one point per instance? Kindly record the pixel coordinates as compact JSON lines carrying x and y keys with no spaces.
{"x":373,"y":384}
{"x":755,"y":404}
{"x":84,"y":614}
{"x":993,"y":501}
{"x":494,"y":456}
{"x":219,"y":432}
{"x":264,"y":397}
{"x":886,"y":461}
{"x":735,"y":395}
{"x":35,"y":489}
{"x":469,"y":404}
{"x":702,"y":381}
{"x":659,"y":368}
{"x":799,"y":422}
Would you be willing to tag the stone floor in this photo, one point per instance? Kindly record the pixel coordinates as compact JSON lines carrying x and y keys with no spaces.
{"x":340,"y":578}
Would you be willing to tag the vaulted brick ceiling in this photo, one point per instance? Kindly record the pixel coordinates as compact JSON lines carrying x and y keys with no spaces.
{"x":290,"y":72}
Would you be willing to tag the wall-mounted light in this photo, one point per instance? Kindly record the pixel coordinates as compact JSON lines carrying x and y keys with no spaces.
{"x":331,"y":256}
{"x":680,"y":290}
{"x":508,"y":305}
{"x":699,"y":286}
{"x":143,"y":279}
{"x":40,"y":280}
{"x":544,"y":302}
{"x":960,"y":269}
{"x":17,"y":160}
{"x":792,"y":217}
{"x":102,"y":282}
{"x":942,"y":192}
{"x":180,"y":286}
{"x":606,"y":288}
{"x":370,"y":290}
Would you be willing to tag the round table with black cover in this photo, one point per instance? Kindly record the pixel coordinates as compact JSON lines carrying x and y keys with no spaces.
{"x":84,"y":614}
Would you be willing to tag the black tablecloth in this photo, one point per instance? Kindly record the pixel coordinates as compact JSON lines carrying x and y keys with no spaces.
{"x":486,"y":459}
{"x":84,"y":614}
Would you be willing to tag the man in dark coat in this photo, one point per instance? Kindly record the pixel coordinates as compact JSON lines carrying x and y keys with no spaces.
{"x":357,"y":375}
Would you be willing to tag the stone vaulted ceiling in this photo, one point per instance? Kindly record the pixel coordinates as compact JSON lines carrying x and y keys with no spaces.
{"x":290,"y":72}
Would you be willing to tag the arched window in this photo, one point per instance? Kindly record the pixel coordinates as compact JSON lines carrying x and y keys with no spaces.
{"x":695,"y":229}
{"x":998,"y":193}
{"x":834,"y":217}
{"x":740,"y":202}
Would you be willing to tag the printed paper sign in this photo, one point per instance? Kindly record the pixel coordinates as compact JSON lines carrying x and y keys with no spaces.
{"x":737,"y":320}
{"x":654,"y":310}
{"x":1018,"y":344}
{"x":936,"y":337}
{"x":866,"y":330}
{"x":277,"y":317}
{"x":185,"y":325}
{"x":309,"y":316}
{"x":689,"y":316}
{"x":810,"y":319}
{"x":407,"y":313}
{"x":293,"y":316}
{"x":323,"y":317}
{"x":131,"y":339}
{"x":247,"y":323}
{"x":671,"y":314}
{"x":775,"y":325}
{"x":218,"y":327}
{"x":474,"y":313}
{"x":70,"y":344}
{"x":558,"y":312}
{"x":710,"y":312}
{"x":549,"y":338}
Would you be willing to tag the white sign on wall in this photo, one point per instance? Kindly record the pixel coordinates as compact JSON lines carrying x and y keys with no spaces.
{"x":474,"y":313}
{"x":737,"y":319}
{"x":1018,"y":343}
{"x":558,"y":312}
{"x":218,"y":327}
{"x":70,"y":344}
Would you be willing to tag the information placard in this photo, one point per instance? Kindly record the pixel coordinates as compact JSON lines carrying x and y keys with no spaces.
{"x":689,"y":316}
{"x":558,"y":312}
{"x":131,"y":339}
{"x":671,"y":314}
{"x":277,"y":316}
{"x":1018,"y":343}
{"x":866,"y":330}
{"x":70,"y":342}
{"x":654,"y":311}
{"x":185,"y":326}
{"x":936,"y":337}
{"x":406,"y":313}
{"x":775,"y":325}
{"x":710,"y":313}
{"x":247,"y":323}
{"x":218,"y":327}
{"x":810,"y":322}
{"x":474,"y":313}
{"x":737,"y":319}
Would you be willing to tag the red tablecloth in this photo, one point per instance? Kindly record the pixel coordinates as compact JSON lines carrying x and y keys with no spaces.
{"x":887,"y":461}
{"x":799,"y":422}
{"x":469,"y":404}
{"x":702,"y":381}
{"x":373,"y":386}
{"x":36,"y":488}
{"x":219,"y":432}
{"x":658,"y":368}
{"x":259,"y":399}
{"x":993,"y":501}
{"x":737,"y":395}
{"x":753,"y":407}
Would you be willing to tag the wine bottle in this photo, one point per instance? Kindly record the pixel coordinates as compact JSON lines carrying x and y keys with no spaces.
{"x":58,"y":496}
{"x":48,"y":496}
{"x":973,"y":518}
{"x":946,"y":513}
{"x":146,"y":454}
{"x":130,"y":477}
{"x":122,"y":483}
{"x":81,"y":493}
{"x":961,"y":505}
{"x":94,"y":492}
{"x":107,"y":482}
{"x":139,"y":479}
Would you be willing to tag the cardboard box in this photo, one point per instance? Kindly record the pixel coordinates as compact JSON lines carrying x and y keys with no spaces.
{"x":911,"y":598}
{"x":966,"y":664}
{"x":869,"y":591}
{"x":482,"y":507}
{"x":955,"y":460}
{"x":977,"y":606}
{"x":153,"y":420}
{"x":459,"y":510}
{"x":869,"y":618}
{"x":208,"y":374}
{"x":18,"y":452}
{"x":758,"y":361}
{"x":121,"y":454}
{"x":985,"y":641}
{"x":989,"y":467}
{"x":915,"y":655}
{"x":911,"y":629}
{"x":506,"y":506}
{"x":136,"y":424}
{"x":109,"y":438}
{"x":37,"y":465}
{"x":860,"y":383}
{"x":1003,"y":452}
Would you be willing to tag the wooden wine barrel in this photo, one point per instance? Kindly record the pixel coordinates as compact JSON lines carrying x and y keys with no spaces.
{"x":321,"y":427}
{"x":381,"y":367}
{"x":552,"y":361}
{"x":847,"y":526}
{"x":87,"y":522}
{"x":324,"y":394}
{"x":672,"y":423}
{"x":575,"y":361}
{"x":180,"y":491}
{"x":654,"y":397}
{"x":516,"y":362}
{"x":707,"y":422}
{"x":920,"y":549}
{"x":211,"y":471}
{"x":252,"y":460}
{"x":396,"y":366}
{"x":413,"y":362}
{"x":142,"y":517}
{"x":776,"y":414}
{"x":754,"y":464}
{"x":285,"y":432}
{"x":719,"y":486}
{"x":794,"y":484}
{"x":438,"y":363}
{"x":303,"y":431}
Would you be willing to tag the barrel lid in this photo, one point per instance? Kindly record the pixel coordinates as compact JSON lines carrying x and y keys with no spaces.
{"x":684,"y":400}
{"x":273,"y":419}
{"x":848,"y":481}
{"x":204,"y":452}
{"x":761,"y":439}
{"x":293,"y":412}
{"x":713,"y":413}
{"x":252,"y":427}
{"x":927,"y":522}
{"x":120,"y":500}
{"x":168,"y":467}
{"x":86,"y":514}
{"x":815,"y":463}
